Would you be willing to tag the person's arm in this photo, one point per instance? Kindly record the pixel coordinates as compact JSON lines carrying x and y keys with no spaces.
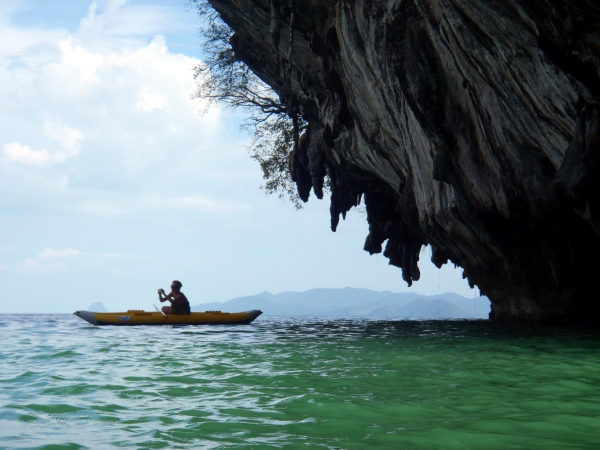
{"x":162,"y":297}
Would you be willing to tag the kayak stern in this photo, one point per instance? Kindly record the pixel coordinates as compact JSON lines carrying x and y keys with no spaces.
{"x":88,"y":316}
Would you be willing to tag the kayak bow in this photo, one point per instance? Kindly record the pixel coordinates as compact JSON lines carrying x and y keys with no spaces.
{"x":138,"y":317}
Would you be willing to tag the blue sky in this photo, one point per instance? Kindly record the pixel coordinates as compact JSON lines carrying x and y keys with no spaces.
{"x":113,"y":184}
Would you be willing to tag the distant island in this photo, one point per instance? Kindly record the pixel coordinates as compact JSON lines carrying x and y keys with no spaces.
{"x":353,"y":302}
{"x":97,"y":307}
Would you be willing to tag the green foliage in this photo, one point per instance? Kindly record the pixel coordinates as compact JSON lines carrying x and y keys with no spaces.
{"x":274,"y":139}
{"x":224,"y":79}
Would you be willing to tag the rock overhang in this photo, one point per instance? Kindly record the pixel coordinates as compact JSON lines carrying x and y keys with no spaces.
{"x":469,"y":126}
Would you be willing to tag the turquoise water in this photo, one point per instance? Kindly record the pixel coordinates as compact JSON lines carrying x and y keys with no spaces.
{"x":297,"y":383}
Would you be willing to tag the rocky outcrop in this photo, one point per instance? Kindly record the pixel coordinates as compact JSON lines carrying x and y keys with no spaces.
{"x":468,"y":125}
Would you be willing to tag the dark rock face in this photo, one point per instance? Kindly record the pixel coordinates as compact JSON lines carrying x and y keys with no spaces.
{"x":469,"y":125}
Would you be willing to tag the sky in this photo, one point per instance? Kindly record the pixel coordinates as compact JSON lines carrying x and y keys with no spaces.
{"x":113,"y":184}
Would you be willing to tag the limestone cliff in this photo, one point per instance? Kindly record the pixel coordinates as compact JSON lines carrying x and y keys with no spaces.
{"x":469,"y":125}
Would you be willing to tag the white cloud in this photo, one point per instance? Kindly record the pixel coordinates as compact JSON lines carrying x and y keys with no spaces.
{"x":51,"y":253}
{"x":104,"y":112}
{"x":121,"y":19}
{"x":148,"y":101}
{"x":86,"y":62}
{"x":32,"y":266}
{"x":40,"y":264}
{"x":17,"y":152}
{"x":69,"y":138}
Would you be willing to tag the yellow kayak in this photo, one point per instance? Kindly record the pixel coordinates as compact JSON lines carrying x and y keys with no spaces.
{"x":139,"y":317}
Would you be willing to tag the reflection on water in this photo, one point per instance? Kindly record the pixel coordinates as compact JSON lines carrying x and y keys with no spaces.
{"x":286,"y":382}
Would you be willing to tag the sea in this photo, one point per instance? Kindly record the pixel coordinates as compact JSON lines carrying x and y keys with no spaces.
{"x":297,"y":382}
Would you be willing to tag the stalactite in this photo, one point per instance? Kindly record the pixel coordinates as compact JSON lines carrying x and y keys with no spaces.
{"x":470,"y":126}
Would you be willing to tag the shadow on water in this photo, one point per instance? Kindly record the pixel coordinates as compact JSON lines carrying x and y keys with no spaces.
{"x":402,"y":328}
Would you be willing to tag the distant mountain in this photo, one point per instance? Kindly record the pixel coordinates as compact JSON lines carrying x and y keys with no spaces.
{"x":352,"y":302}
{"x":432,"y":309}
{"x":97,"y":307}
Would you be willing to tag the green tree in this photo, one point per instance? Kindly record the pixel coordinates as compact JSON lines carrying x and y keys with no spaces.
{"x":222,"y":78}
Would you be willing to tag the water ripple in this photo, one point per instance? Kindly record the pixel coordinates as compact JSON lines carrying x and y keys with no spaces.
{"x":287,"y":382}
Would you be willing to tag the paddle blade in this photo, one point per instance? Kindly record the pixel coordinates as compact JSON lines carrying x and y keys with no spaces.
{"x":160,"y":311}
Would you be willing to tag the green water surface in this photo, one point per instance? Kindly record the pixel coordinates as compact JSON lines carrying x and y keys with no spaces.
{"x":297,"y":383}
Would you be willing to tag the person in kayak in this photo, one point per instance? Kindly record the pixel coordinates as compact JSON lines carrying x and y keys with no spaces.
{"x":179,"y":302}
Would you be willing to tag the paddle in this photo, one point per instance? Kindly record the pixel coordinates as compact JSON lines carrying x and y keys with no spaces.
{"x":160,"y":311}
